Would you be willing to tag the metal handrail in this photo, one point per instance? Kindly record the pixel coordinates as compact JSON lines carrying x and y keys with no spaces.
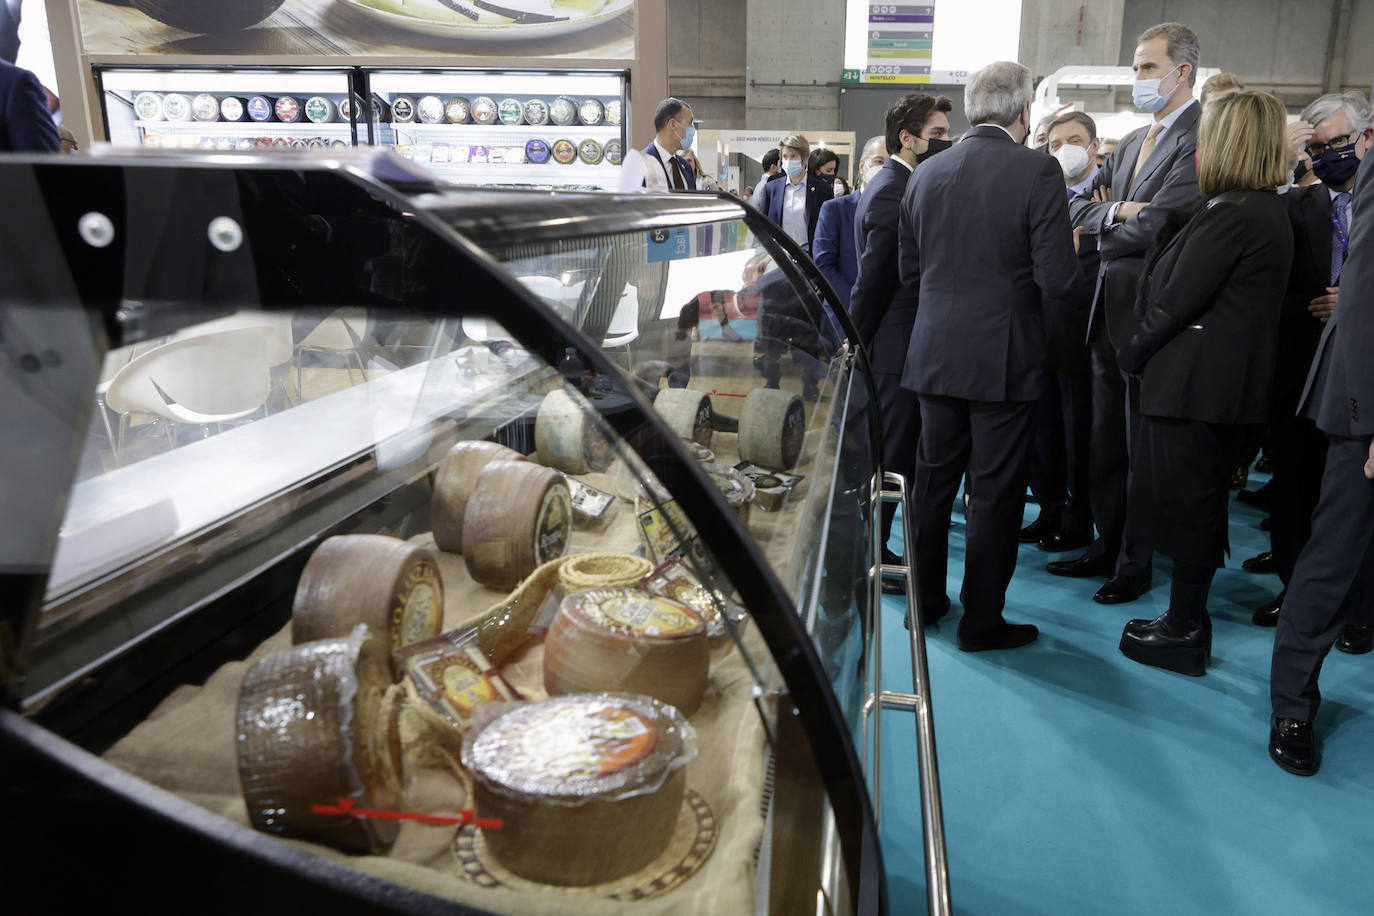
{"x":932,"y":809}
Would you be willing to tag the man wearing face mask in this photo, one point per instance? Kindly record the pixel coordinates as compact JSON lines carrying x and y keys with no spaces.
{"x":834,"y":248}
{"x":1059,"y":466}
{"x":984,"y":231}
{"x":1338,"y":133}
{"x":794,"y":202}
{"x":658,"y":167}
{"x":1151,"y":173}
{"x":883,"y":308}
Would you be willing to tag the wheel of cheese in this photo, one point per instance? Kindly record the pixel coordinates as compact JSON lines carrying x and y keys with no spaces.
{"x":518,"y":517}
{"x":772,"y":428}
{"x":587,"y":787}
{"x":602,"y":570}
{"x":311,"y":730}
{"x":380,"y":581}
{"x":566,"y":436}
{"x":453,"y":483}
{"x":629,"y":640}
{"x":687,"y":413}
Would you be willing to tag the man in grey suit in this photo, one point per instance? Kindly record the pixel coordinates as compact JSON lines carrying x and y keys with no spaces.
{"x":1335,"y":571}
{"x":984,"y":230}
{"x":1151,"y":173}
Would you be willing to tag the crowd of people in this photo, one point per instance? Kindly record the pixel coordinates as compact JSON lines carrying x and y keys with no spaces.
{"x":1119,"y":326}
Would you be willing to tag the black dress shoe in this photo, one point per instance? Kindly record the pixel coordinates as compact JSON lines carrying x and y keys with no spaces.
{"x":1061,"y":541}
{"x":1293,"y":747}
{"x":893,"y":585}
{"x":1239,"y":478}
{"x":1262,"y":498}
{"x":1265,"y":524}
{"x":1264,"y":465}
{"x":1036,"y":530}
{"x":1262,"y":563}
{"x":1084,"y":567}
{"x":1161,"y":645}
{"x":1121,"y":589}
{"x":933,"y":611}
{"x":1007,"y":636}
{"x":1268,"y":615}
{"x":1355,"y":640}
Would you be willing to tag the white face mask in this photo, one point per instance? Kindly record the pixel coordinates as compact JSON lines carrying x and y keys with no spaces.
{"x":1073,"y":159}
{"x":871,"y":172}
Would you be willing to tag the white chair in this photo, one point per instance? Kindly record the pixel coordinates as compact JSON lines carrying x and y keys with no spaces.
{"x":624,"y":327}
{"x":342,"y":332}
{"x":278,"y":339}
{"x":208,"y":379}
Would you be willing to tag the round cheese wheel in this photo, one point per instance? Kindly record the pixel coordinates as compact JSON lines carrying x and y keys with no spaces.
{"x":312,"y":730}
{"x":205,"y":107}
{"x":453,"y":483}
{"x":772,"y":428}
{"x":566,"y":436}
{"x":176,"y":107}
{"x":380,"y":581}
{"x":320,"y":109}
{"x":602,"y":570}
{"x":233,"y":108}
{"x":148,"y":106}
{"x":403,"y":109}
{"x":587,"y":787}
{"x":518,"y":517}
{"x":628,"y":639}
{"x":687,"y":413}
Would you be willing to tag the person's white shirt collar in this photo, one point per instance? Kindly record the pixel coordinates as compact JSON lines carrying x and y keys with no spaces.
{"x":666,"y":157}
{"x":1168,"y":120}
{"x":909,"y":166}
{"x":1085,"y":185}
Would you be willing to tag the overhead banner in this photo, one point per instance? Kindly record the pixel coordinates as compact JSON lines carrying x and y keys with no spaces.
{"x":935,"y":41}
{"x":592,"y":29}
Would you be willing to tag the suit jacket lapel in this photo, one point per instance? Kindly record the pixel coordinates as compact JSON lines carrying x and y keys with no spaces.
{"x":1121,"y":181}
{"x":1317,"y":215}
{"x":1165,"y":149}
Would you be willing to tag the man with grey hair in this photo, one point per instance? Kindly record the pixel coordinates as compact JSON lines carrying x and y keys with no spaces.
{"x":835,"y":248}
{"x":984,"y":232}
{"x":1151,"y":173}
{"x":1335,"y":131}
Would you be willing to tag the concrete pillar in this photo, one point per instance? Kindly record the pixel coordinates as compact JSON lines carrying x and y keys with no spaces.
{"x":795,"y":47}
{"x":1060,"y":33}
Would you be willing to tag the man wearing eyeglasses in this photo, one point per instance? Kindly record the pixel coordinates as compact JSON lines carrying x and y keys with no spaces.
{"x":1336,"y":132}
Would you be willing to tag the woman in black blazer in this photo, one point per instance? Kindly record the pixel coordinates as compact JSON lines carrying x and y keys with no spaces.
{"x":1208,"y":312}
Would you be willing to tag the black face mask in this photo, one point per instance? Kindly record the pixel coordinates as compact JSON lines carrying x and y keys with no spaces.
{"x":933,"y":147}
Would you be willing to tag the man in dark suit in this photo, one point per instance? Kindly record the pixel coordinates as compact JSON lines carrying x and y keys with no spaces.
{"x":834,"y":247}
{"x":1297,"y":448}
{"x":26,"y":125}
{"x":985,"y":232}
{"x":794,"y":200}
{"x":882,"y":306}
{"x":1335,"y":571}
{"x":673,"y":132}
{"x":1151,"y":173}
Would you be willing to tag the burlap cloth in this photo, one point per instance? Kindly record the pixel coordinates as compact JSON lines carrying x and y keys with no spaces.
{"x":187,"y":745}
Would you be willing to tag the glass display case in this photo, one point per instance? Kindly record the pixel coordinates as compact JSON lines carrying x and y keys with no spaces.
{"x":550,"y":129}
{"x":224,"y":108}
{"x":407,"y":549}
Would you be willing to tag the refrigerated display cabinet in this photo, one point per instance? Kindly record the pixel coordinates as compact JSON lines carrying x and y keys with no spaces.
{"x":383,"y":547}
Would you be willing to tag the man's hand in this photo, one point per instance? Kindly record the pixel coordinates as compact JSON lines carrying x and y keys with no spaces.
{"x":1299,"y":132}
{"x":1102,"y":195}
{"x":1322,"y":306}
{"x":1077,"y":234}
{"x":1369,"y":465}
{"x":1128,"y":209}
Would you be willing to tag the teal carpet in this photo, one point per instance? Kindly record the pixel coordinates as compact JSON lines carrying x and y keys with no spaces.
{"x":1076,"y":781}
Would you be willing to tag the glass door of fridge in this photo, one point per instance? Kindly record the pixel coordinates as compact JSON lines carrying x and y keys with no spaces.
{"x":543,"y":129}
{"x":228,"y":109}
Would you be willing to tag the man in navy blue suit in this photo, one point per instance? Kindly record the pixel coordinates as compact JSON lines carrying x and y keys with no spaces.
{"x":673,"y":131}
{"x":985,"y":233}
{"x":835,"y":247}
{"x":882,"y":306}
{"x":26,"y":125}
{"x":793,"y":200}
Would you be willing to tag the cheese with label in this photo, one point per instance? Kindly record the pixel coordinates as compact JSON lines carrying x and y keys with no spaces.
{"x":628,"y":639}
{"x":566,"y":436}
{"x":518,"y":517}
{"x":587,"y":787}
{"x":380,"y":581}
{"x":311,"y":729}
{"x":453,"y":484}
{"x":772,"y":428}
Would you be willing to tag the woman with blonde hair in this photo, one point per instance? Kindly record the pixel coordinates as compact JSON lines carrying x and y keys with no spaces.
{"x":1208,"y":313}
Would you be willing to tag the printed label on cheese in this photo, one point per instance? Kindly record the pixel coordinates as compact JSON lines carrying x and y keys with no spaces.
{"x":418,"y":612}
{"x":554,"y":525}
{"x":644,"y":616}
{"x":571,"y":742}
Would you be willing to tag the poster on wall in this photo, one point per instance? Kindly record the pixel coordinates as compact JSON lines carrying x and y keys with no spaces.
{"x":927,"y":41}
{"x":589,"y":29}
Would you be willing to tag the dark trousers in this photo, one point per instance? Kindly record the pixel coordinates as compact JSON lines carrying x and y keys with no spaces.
{"x":991,"y":441}
{"x":1059,"y":472}
{"x":901,"y":412}
{"x":1109,"y":464}
{"x":1334,"y":575}
{"x":1049,"y":476}
{"x":1297,"y":453}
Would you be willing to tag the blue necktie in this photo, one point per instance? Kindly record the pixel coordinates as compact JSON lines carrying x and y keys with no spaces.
{"x":1340,"y":236}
